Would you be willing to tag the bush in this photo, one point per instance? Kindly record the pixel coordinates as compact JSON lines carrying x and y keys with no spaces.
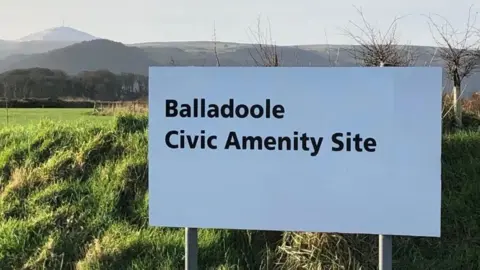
{"x":470,"y":115}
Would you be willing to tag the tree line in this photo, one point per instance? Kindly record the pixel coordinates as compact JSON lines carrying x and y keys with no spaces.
{"x":43,"y":83}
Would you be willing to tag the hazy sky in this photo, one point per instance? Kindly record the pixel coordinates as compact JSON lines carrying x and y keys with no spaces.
{"x":292,"y":22}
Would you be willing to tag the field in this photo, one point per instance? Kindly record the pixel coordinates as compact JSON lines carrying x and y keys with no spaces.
{"x":74,"y":195}
{"x":16,"y":116}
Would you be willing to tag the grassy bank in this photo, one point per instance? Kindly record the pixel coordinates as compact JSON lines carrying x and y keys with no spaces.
{"x":75,"y":196}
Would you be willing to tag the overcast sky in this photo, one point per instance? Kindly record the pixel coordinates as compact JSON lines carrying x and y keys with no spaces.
{"x":292,"y":21}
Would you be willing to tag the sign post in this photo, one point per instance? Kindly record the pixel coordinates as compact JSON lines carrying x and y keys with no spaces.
{"x":385,"y":252}
{"x":385,"y":241}
{"x":336,"y":148}
{"x":191,"y":249}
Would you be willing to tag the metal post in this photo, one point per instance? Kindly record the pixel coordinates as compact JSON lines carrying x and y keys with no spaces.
{"x":384,"y":241}
{"x":385,"y":252}
{"x":191,"y":249}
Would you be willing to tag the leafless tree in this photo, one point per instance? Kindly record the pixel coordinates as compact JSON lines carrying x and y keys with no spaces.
{"x":215,"y":44}
{"x":374,"y":47}
{"x":172,"y":61}
{"x":460,"y":52}
{"x":264,"y":46}
{"x":330,"y":60}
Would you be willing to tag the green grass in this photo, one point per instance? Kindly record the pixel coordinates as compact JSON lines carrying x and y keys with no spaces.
{"x":34,"y":115}
{"x":74,"y":196}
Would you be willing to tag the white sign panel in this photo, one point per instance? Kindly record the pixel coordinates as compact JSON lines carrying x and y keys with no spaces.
{"x":348,"y":150}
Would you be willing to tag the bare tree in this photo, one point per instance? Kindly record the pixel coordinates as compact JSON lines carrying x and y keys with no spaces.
{"x":330,"y":60}
{"x":374,"y":47}
{"x":215,"y":44}
{"x":460,"y":52}
{"x":172,"y":61}
{"x":265,"y":48}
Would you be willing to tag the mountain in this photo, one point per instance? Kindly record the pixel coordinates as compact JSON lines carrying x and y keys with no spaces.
{"x":87,"y":55}
{"x":43,"y":41}
{"x":59,"y":34}
{"x":136,"y":58}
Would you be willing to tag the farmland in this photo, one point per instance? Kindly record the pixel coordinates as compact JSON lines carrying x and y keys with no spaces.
{"x":21,"y":116}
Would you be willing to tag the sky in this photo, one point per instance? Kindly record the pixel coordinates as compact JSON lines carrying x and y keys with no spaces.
{"x":291,"y":21}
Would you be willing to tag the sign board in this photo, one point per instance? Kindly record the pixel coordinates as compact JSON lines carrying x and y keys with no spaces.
{"x":347,"y":150}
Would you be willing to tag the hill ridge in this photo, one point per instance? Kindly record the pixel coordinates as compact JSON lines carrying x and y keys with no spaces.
{"x":74,"y":57}
{"x":62,"y":33}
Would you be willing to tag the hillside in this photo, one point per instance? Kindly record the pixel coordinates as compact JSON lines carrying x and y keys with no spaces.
{"x":75,"y":196}
{"x":9,"y":48}
{"x":88,"y":55}
{"x":43,"y":41}
{"x":59,"y":34}
{"x":136,"y":58}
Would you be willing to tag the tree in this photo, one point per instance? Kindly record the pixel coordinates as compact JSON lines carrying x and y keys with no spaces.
{"x":215,"y":45}
{"x":374,"y":47}
{"x":265,"y":48}
{"x":460,"y":52}
{"x":46,"y":83}
{"x":172,"y":61}
{"x":328,"y":49}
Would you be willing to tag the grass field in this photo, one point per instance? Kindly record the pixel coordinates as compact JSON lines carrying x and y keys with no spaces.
{"x":32,"y":116}
{"x":74,"y":195}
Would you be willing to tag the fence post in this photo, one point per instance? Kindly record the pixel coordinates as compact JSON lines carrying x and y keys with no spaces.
{"x":6,"y":107}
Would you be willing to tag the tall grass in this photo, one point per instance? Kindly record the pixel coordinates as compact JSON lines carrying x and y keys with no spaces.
{"x":120,"y":108}
{"x":75,"y":196}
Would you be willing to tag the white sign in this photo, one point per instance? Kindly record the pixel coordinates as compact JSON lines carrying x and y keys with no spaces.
{"x":347,"y":150}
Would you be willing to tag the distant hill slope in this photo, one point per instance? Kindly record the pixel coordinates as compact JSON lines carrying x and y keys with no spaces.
{"x":88,"y":55}
{"x":44,"y":41}
{"x":136,"y":58}
{"x":8,"y":48}
{"x":59,"y":34}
